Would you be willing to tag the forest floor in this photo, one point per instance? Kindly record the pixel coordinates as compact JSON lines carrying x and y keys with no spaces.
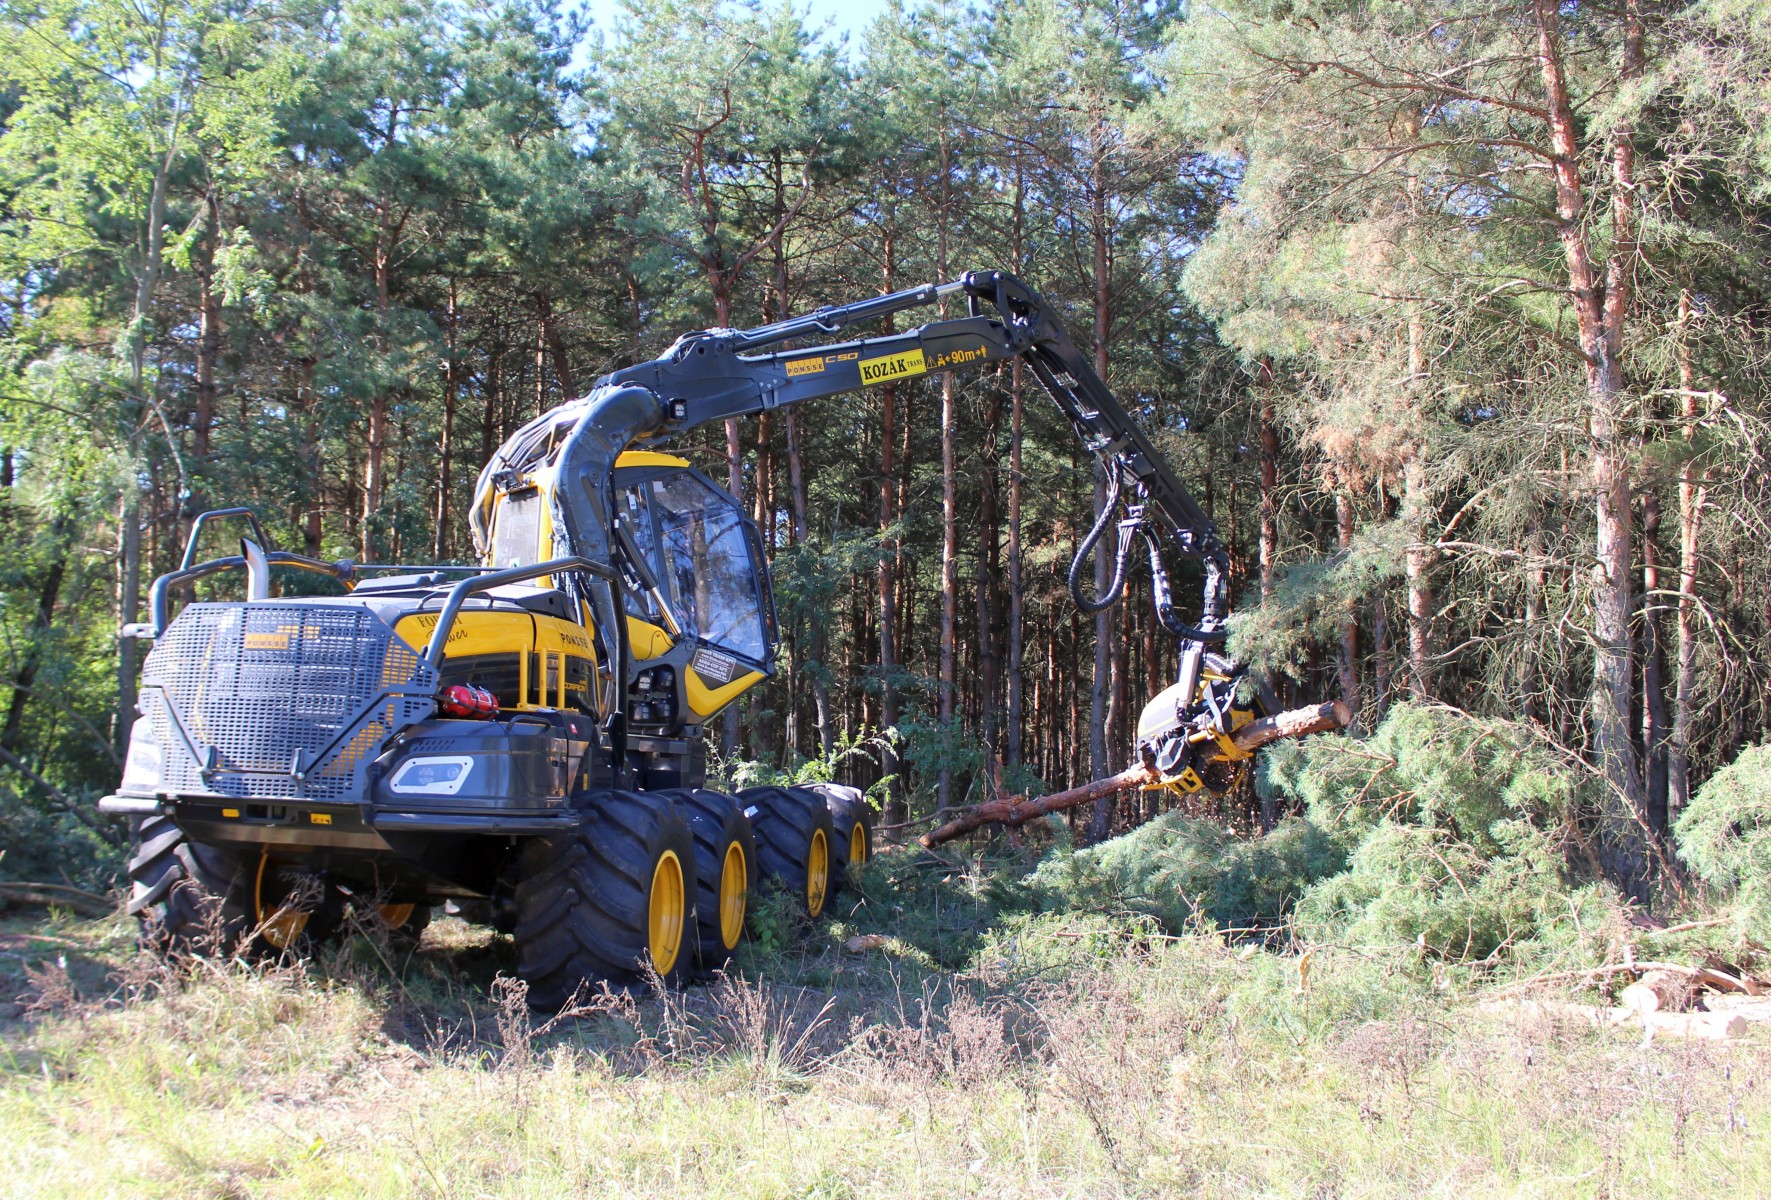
{"x":926,"y":1042}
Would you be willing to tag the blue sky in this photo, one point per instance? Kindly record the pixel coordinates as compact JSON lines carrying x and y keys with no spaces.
{"x":847,"y":16}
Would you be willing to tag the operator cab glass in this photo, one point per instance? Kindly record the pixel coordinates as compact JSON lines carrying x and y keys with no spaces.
{"x":707,"y":559}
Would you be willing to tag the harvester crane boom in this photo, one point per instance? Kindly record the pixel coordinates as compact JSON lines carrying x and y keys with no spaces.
{"x":721,"y":373}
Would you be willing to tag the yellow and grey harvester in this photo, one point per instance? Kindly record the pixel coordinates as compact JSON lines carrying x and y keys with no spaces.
{"x":521,"y":739}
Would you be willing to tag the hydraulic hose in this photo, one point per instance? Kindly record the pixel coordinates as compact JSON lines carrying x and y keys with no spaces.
{"x":1164,"y":599}
{"x":1127,"y":531}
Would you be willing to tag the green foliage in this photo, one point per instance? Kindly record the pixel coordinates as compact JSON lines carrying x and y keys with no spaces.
{"x":1183,"y":870}
{"x":1438,"y":838}
{"x":1431,"y":767}
{"x":1408,"y":885}
{"x":1725,"y":834}
{"x":775,"y":919}
{"x":1456,"y":831}
{"x":732,"y":773}
{"x":52,"y":847}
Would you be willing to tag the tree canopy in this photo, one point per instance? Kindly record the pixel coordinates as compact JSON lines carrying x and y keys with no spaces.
{"x":1454,"y":316}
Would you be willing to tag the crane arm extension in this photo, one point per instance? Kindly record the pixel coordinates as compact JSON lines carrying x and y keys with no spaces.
{"x":721,"y":373}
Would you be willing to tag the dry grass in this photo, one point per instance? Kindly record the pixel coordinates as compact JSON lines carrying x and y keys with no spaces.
{"x":1065,"y":1057}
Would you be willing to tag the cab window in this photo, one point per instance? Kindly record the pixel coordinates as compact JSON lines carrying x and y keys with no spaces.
{"x":704,"y":556}
{"x":517,"y":529}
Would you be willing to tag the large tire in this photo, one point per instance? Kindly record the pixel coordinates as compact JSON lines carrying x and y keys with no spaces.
{"x":602,"y":901}
{"x":188,"y":897}
{"x":192,"y":898}
{"x":794,"y":841}
{"x":851,"y":821}
{"x":725,"y":868}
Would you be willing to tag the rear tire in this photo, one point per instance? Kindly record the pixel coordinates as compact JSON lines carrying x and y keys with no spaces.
{"x":725,"y":868}
{"x":794,"y":842}
{"x":851,"y":820}
{"x":601,"y":901}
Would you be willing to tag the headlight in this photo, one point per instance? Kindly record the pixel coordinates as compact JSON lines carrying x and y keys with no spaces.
{"x":431,"y":776}
{"x":141,"y":769}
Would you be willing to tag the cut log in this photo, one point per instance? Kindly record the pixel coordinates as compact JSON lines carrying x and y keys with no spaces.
{"x":1716,"y":1026}
{"x":1297,"y":723}
{"x":1015,"y":810}
{"x":57,"y":895}
{"x":1660,"y":992}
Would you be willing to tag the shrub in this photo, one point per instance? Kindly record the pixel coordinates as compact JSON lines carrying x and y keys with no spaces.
{"x":1177,"y":869}
{"x":1418,"y":884}
{"x":1725,"y":833}
{"x":1457,"y":829}
{"x":1424,"y":766}
{"x":1438,"y":834}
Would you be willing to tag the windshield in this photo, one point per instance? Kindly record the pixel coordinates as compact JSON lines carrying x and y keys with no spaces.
{"x":697,"y":541}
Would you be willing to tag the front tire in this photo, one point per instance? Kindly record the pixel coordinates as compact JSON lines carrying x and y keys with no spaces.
{"x":607,"y":898}
{"x":189,"y":898}
{"x":794,"y":842}
{"x":197,"y":899}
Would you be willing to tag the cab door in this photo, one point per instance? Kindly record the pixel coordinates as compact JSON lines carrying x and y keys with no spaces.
{"x":710,"y":619}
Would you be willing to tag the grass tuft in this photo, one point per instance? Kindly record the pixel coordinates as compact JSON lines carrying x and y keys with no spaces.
{"x":972,"y":1045}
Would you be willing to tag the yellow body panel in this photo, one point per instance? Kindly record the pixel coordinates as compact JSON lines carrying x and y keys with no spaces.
{"x":648,"y":458}
{"x":538,"y":641}
{"x":646,"y":639}
{"x":705,"y":701}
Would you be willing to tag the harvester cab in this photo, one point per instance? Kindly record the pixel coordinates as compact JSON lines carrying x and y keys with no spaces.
{"x":522,"y":738}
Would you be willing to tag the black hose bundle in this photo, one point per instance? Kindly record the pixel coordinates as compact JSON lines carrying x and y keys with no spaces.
{"x":1128,"y":530}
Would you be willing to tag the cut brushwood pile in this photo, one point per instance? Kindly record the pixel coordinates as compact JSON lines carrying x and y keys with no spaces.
{"x":1714,"y":1001}
{"x":1016,"y":810}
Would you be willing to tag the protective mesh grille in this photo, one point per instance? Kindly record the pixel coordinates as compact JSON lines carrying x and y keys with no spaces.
{"x":255,"y":684}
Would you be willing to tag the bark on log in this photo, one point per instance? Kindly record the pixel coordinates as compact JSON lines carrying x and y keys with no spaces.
{"x":56,"y":895}
{"x":1015,"y":810}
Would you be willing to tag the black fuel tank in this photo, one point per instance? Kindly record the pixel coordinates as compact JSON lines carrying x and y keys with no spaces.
{"x":523,"y":764}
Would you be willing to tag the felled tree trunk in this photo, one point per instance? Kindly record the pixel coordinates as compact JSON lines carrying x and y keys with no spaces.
{"x":1015,"y":810}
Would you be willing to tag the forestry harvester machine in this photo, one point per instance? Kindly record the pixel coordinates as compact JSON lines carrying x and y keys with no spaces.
{"x":522,"y":738}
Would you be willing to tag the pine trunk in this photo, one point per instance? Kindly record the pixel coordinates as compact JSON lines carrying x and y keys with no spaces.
{"x":1600,"y":306}
{"x":1349,"y":655}
{"x":1692,"y":495}
{"x":446,"y":446}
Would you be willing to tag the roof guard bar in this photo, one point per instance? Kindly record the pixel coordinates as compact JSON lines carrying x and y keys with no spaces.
{"x":439,"y":637}
{"x":159,"y":596}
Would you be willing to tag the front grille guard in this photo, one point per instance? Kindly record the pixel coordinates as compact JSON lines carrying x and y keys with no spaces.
{"x":272,"y":753}
{"x":280,"y":701}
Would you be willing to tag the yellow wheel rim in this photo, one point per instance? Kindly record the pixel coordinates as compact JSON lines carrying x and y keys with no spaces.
{"x":817,"y":872}
{"x":395,"y":916}
{"x":664,"y":923}
{"x":858,"y":844}
{"x":734,"y":882}
{"x":284,"y":924}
